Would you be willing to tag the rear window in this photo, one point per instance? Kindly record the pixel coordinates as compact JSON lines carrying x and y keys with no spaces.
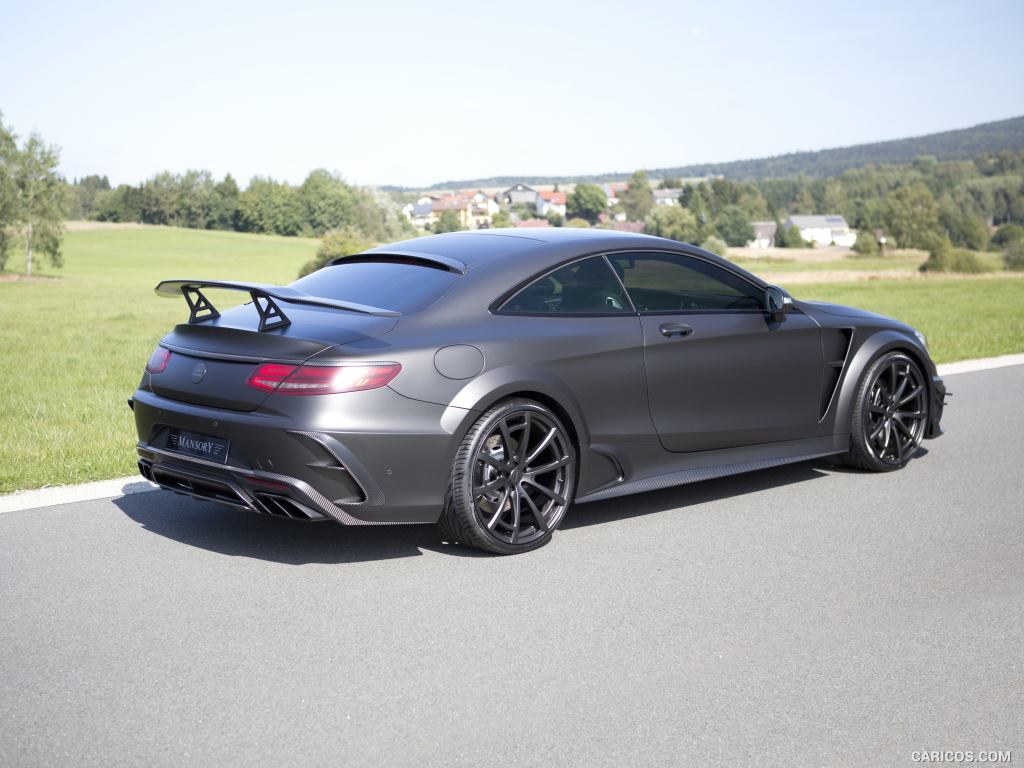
{"x":402,"y":285}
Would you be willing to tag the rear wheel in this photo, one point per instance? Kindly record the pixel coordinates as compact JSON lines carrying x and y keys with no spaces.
{"x":512,"y":480}
{"x":890,"y":414}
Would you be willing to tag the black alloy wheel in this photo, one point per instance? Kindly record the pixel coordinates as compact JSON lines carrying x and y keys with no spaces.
{"x":891,"y":414}
{"x":512,"y":480}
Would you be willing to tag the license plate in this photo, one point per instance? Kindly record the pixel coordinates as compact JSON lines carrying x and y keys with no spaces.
{"x":202,"y":446}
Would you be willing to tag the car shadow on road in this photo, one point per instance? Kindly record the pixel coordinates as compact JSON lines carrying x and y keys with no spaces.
{"x":237,"y":533}
{"x":682,"y":496}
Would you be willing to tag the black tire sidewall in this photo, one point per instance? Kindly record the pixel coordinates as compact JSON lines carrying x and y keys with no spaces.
{"x":861,"y":454}
{"x":461,"y":505}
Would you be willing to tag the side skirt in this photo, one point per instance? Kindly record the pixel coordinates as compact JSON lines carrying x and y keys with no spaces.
{"x":732,"y":461}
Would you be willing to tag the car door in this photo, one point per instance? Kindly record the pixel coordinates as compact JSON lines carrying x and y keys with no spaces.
{"x":576,"y":325}
{"x":720,"y":372}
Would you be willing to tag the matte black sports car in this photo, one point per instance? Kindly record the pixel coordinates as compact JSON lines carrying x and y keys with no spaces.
{"x":489,"y":379}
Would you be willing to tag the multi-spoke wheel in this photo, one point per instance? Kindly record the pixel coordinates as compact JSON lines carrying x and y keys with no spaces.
{"x":890,"y":414}
{"x":512,"y":480}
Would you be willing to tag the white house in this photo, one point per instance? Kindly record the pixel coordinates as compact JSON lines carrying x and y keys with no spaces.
{"x":551,"y":202}
{"x":667,"y":196}
{"x":764,"y":234}
{"x":823,"y":230}
{"x":420,"y":212}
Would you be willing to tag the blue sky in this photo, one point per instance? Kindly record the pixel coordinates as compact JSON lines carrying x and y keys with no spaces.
{"x":418,"y":92}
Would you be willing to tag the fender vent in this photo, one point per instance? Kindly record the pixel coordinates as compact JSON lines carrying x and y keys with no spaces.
{"x":835,"y":344}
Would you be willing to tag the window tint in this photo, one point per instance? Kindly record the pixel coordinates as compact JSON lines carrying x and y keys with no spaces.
{"x":402,"y":285}
{"x":664,"y":282}
{"x":584,"y":287}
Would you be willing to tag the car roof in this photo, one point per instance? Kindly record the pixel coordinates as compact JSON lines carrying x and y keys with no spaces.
{"x":476,"y":246}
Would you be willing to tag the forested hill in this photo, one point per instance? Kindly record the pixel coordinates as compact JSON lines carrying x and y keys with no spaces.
{"x":962,"y":144}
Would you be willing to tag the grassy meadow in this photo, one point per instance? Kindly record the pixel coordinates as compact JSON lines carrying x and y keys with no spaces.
{"x":73,"y":343}
{"x":73,"y":347}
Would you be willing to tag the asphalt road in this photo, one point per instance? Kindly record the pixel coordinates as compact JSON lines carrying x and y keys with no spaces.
{"x":806,"y":615}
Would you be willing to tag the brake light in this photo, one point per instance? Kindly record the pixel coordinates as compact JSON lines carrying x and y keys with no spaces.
{"x":158,"y":360}
{"x":321,"y":380}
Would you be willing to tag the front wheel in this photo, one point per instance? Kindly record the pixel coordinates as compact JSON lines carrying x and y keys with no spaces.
{"x":512,"y":480}
{"x":890,"y":414}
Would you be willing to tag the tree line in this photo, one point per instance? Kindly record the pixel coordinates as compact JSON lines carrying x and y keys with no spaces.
{"x":321,"y":203}
{"x":914,"y":203}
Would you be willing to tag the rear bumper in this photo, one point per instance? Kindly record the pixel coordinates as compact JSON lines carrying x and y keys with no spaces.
{"x":937,"y":404}
{"x":388,"y":462}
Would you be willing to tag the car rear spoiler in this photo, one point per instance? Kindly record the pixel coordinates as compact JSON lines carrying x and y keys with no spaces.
{"x":264,"y":298}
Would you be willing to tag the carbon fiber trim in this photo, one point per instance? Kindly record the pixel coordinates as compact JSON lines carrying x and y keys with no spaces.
{"x":322,"y":503}
{"x":371,"y":491}
{"x":684,"y":476}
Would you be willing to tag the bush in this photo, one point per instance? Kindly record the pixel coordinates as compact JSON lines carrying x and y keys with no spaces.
{"x":1007,"y":234}
{"x":578,"y":223}
{"x":343,"y":242}
{"x":1013,"y":256}
{"x":789,"y":238}
{"x":715,"y":245}
{"x":939,"y":254}
{"x":866,"y":243}
{"x":966,"y":262}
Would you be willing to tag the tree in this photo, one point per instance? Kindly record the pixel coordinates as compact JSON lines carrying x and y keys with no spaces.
{"x":866,"y":244}
{"x":86,"y":194}
{"x":940,"y":253}
{"x":271,"y":207}
{"x":8,"y":190}
{"x":224,"y":205}
{"x":715,"y":245}
{"x":1007,"y":234}
{"x":335,"y":245}
{"x":733,"y":226}
{"x":41,"y":204}
{"x":789,"y":237}
{"x":330,"y":202}
{"x":638,"y":199}
{"x":501,"y":220}
{"x":1013,"y":256}
{"x":587,"y":201}
{"x":912,"y":216}
{"x":448,"y":221}
{"x":962,"y":226}
{"x":673,"y":222}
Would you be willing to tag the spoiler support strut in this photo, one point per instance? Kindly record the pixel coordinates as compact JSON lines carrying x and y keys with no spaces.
{"x":201,"y":309}
{"x":264,"y":297}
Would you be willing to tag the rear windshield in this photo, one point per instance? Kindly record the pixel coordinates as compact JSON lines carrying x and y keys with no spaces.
{"x":398,"y":285}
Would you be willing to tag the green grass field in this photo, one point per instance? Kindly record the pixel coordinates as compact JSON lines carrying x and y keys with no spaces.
{"x":901,"y":261}
{"x":72,"y":348}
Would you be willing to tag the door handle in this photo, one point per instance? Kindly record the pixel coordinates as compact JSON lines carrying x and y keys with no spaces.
{"x":675,"y":329}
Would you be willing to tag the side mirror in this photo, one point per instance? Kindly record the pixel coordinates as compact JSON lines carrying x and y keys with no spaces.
{"x":777,"y":303}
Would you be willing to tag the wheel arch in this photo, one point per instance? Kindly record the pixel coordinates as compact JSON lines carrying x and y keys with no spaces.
{"x":494,"y":386}
{"x":878,"y":344}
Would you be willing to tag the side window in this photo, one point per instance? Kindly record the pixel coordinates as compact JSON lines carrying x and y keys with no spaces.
{"x":666,"y":282}
{"x":585,"y":287}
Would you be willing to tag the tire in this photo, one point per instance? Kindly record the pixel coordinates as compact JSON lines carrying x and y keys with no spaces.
{"x":890,"y":414}
{"x":497,"y":500}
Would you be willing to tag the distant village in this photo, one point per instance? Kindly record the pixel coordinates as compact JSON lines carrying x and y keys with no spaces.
{"x":524,"y":206}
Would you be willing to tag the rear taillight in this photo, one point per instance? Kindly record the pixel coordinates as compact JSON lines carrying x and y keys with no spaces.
{"x":158,"y":360}
{"x":321,"y":380}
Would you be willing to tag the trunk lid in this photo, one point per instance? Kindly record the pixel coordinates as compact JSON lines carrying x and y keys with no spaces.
{"x":211,"y":361}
